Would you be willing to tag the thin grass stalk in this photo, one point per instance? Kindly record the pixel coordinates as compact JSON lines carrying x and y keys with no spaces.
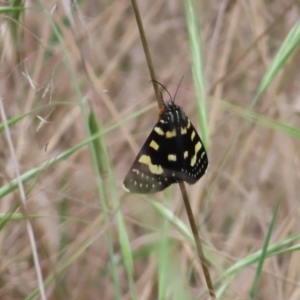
{"x":230,"y":274}
{"x":34,"y":172}
{"x":233,"y":65}
{"x":147,"y":52}
{"x":24,"y":206}
{"x":81,"y":102}
{"x":287,"y":48}
{"x":198,"y":243}
{"x":163,"y":260}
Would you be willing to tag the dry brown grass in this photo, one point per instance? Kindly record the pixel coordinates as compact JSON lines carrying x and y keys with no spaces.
{"x":235,"y":201}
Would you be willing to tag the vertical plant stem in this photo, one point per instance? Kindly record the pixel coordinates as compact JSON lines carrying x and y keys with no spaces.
{"x":28,"y":224}
{"x":199,"y":247}
{"x":181,"y":184}
{"x":147,"y":52}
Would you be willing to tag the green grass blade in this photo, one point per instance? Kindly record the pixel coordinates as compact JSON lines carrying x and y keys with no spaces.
{"x":7,"y":217}
{"x":68,"y":261}
{"x":15,"y":120}
{"x":182,"y":227}
{"x":228,"y":276}
{"x":197,"y":68}
{"x":8,"y":9}
{"x":109,"y":187}
{"x":263,"y":255}
{"x":251,"y":116}
{"x":285,"y":51}
{"x":34,"y":172}
{"x":16,"y":13}
{"x":99,"y":166}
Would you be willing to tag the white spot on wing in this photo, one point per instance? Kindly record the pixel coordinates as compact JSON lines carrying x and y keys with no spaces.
{"x":126,"y":189}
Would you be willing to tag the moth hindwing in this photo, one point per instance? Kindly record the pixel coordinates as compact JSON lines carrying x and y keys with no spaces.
{"x":172,"y":152}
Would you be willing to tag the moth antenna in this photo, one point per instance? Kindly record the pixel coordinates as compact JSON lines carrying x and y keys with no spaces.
{"x":161,"y":96}
{"x":178,"y":88}
{"x":163,"y":88}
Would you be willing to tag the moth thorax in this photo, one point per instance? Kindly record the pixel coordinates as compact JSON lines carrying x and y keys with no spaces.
{"x":182,"y":114}
{"x":178,"y":116}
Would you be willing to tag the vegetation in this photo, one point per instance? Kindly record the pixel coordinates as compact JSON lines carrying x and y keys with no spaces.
{"x":76,"y":106}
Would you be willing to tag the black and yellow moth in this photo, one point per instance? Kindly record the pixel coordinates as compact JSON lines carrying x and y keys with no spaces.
{"x":173,"y":152}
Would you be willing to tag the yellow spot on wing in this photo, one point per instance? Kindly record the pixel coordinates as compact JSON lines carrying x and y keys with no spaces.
{"x":185,"y":154}
{"x":183,"y":130}
{"x":172,"y":157}
{"x":155,"y":169}
{"x":170,"y":134}
{"x":193,"y":135}
{"x":189,"y":124}
{"x":154,"y":145}
{"x":198,"y":146}
{"x":159,"y":130}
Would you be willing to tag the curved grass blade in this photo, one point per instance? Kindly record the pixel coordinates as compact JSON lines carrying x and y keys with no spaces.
{"x":263,"y":255}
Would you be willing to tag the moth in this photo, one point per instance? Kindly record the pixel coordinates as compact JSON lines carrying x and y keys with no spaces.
{"x":172,"y":152}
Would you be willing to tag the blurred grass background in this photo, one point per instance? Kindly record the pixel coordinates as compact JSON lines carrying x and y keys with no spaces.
{"x":73,"y":69}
